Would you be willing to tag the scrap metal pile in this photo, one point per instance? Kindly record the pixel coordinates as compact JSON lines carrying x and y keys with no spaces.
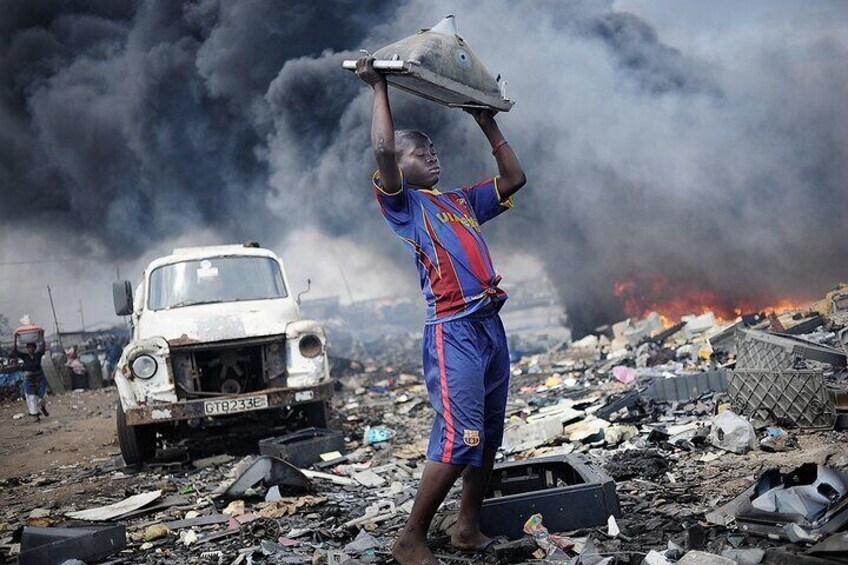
{"x":701,"y":443}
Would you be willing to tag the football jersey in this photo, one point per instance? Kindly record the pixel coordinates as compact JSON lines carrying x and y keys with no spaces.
{"x":442,"y":230}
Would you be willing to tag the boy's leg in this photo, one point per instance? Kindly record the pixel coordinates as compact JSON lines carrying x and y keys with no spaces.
{"x":475,"y":483}
{"x":475,"y":480}
{"x":411,"y":545}
{"x":454,"y":376}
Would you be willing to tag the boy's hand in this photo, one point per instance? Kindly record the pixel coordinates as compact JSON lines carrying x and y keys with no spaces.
{"x":365,"y":71}
{"x":483,"y":117}
{"x":510,"y":174}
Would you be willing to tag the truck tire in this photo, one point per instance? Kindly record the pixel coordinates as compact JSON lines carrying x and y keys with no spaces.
{"x":138,"y":443}
{"x":316,"y":414}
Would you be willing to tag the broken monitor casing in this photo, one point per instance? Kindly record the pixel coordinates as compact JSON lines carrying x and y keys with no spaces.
{"x":742,"y":514}
{"x":437,"y":64}
{"x":303,"y":447}
{"x":567,"y":490}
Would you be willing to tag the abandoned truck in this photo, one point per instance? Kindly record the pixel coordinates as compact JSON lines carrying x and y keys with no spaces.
{"x":217,"y":338}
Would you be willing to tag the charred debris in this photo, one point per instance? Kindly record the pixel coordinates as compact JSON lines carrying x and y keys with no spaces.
{"x":698,"y":442}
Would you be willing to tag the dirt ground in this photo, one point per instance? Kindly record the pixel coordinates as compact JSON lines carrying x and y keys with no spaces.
{"x":79,"y":430}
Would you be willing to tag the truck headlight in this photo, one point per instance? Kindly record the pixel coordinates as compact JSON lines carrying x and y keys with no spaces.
{"x":144,"y":366}
{"x":310,"y":346}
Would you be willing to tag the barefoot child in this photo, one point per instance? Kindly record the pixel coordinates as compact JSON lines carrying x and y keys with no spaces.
{"x":466,"y":362}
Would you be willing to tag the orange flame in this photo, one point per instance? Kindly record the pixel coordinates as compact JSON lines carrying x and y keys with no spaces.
{"x":643,"y":294}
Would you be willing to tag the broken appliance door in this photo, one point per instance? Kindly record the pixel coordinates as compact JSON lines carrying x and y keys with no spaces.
{"x":437,"y":64}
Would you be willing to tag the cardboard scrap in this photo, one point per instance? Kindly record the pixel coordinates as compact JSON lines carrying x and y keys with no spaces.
{"x":287,"y":506}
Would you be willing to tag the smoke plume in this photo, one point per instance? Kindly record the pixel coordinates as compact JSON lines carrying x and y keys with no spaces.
{"x":719,"y":170}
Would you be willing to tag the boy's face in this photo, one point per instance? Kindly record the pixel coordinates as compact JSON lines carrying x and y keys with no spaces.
{"x":420,"y":165}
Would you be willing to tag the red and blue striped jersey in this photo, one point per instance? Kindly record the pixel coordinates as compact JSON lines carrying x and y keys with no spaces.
{"x":442,"y":230}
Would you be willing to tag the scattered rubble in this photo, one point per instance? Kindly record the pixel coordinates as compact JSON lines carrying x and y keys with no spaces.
{"x":635,"y":444}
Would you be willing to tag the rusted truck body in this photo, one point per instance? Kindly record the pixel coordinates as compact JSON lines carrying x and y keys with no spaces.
{"x":217,"y":335}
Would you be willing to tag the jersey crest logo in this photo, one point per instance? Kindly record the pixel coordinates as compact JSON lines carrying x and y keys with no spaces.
{"x":471,"y":438}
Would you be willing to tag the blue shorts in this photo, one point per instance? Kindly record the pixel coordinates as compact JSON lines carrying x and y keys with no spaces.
{"x":466,"y":368}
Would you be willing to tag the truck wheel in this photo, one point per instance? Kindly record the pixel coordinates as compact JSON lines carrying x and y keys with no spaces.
{"x":138,"y":443}
{"x":316,"y":414}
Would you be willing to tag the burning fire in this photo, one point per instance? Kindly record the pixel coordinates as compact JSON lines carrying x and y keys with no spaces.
{"x":644,"y":294}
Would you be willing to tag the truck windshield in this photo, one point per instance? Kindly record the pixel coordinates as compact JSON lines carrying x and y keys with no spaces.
{"x":217,"y":279}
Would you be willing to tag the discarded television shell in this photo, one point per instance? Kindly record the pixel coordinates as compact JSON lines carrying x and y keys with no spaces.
{"x":437,"y":64}
{"x":568,"y":491}
{"x":304,"y":447}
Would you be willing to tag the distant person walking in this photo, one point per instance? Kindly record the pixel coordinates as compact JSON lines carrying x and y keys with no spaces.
{"x":35,"y":383}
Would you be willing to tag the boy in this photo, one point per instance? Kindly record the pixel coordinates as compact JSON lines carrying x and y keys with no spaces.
{"x":466,"y":362}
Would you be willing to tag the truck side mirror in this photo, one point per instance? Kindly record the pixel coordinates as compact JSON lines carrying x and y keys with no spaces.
{"x":122,"y":296}
{"x":308,"y":288}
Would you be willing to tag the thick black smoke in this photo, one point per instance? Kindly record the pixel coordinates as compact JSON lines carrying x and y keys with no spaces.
{"x":645,"y":164}
{"x":122,"y":124}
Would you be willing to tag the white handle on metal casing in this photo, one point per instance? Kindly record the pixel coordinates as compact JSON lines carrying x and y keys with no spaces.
{"x":380,"y":65}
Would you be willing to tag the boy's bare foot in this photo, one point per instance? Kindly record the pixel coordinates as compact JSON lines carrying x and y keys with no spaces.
{"x":470,"y":541}
{"x":410,"y":551}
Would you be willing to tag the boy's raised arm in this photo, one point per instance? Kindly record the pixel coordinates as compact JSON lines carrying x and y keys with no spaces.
{"x":511,"y":176}
{"x":382,"y":127}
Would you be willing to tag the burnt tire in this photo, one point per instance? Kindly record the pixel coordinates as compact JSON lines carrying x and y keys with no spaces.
{"x":316,"y":414}
{"x":138,"y":443}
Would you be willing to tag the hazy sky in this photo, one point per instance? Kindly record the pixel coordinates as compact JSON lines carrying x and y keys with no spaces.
{"x":703,"y":142}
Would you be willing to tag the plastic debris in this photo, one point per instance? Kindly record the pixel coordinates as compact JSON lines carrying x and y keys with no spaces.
{"x":655,"y":558}
{"x":612,"y":527}
{"x":188,"y":537}
{"x":251,"y":471}
{"x":377,"y":434}
{"x":732,"y":432}
{"x":156,"y":531}
{"x":624,"y":374}
{"x":112,"y":511}
{"x":361,"y":544}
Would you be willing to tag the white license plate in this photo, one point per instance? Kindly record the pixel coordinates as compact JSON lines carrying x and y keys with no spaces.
{"x":304,"y":395}
{"x":234,"y":405}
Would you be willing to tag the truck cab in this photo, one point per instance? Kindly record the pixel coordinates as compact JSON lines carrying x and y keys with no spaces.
{"x":217,"y":334}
